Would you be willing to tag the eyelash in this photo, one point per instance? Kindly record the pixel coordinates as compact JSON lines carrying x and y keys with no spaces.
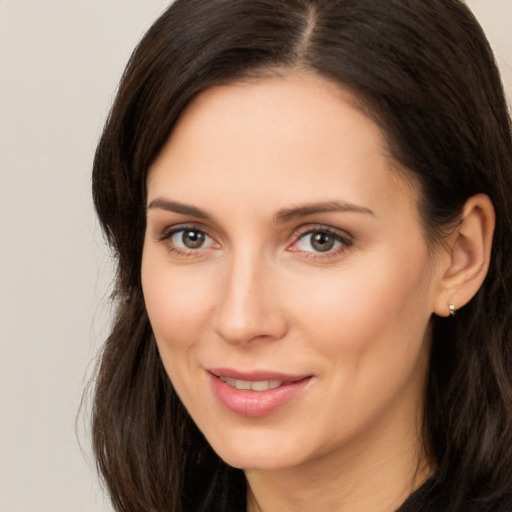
{"x":344,"y":240}
{"x":167,"y":235}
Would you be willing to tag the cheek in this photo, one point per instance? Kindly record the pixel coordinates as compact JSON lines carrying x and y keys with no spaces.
{"x":177,"y":301}
{"x":367,"y":330}
{"x":369,"y":310}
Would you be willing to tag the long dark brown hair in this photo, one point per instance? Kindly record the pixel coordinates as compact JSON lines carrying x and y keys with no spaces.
{"x":424,"y":71}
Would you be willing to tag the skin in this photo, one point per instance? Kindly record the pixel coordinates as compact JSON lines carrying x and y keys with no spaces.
{"x":257,"y":295}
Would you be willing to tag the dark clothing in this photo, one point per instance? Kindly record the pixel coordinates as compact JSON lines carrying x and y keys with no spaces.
{"x":227,"y":492}
{"x":426,"y":499}
{"x":416,"y":501}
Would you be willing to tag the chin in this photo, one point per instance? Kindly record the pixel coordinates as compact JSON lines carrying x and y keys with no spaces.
{"x":258,"y":454}
{"x":259,"y":461}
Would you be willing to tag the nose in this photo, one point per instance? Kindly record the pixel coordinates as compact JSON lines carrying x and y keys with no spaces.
{"x":248,"y":308}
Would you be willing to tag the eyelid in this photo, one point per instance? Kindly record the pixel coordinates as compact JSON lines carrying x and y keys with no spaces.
{"x":168,"y":231}
{"x":323,"y":228}
{"x":345,"y":238}
{"x":164,"y":236}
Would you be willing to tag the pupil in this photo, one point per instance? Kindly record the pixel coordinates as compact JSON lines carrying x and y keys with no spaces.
{"x":193,"y":239}
{"x":322,"y":242}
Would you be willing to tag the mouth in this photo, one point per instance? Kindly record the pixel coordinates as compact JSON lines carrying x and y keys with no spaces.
{"x":251,"y":385}
{"x":257,"y":393}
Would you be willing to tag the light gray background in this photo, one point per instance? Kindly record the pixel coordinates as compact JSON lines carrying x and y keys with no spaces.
{"x":60,"y":61}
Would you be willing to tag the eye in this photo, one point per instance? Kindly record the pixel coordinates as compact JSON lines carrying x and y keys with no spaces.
{"x":189,"y":239}
{"x":321,"y":241}
{"x":186,"y":239}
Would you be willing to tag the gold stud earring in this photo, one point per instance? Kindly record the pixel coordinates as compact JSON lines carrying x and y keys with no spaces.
{"x":451,"y":307}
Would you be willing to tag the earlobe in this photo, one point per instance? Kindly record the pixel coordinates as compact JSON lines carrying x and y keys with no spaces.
{"x":469,"y":253}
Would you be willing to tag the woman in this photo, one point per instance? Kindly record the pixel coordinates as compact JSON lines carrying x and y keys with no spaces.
{"x":309,"y":202}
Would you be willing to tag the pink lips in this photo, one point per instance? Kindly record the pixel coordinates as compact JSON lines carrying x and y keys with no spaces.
{"x":247,"y":402}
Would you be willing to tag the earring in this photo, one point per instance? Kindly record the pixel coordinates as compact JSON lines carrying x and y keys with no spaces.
{"x":451,"y":307}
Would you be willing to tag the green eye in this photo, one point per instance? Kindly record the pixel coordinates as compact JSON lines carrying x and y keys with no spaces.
{"x":321,"y":242}
{"x":192,"y":239}
{"x":189,"y":239}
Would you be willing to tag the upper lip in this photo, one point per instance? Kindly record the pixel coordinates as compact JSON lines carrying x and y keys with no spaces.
{"x":256,"y":375}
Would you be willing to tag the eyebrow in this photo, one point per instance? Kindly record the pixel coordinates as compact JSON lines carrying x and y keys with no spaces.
{"x":282,"y":216}
{"x":288,"y":214}
{"x":174,"y":206}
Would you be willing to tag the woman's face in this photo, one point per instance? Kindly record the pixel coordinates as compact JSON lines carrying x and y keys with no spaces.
{"x":286,"y":275}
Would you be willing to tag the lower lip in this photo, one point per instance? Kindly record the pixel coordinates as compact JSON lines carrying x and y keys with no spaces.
{"x":256,"y":403}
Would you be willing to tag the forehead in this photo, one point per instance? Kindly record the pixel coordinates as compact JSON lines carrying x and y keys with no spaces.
{"x":288,"y":137}
{"x":307,"y":103}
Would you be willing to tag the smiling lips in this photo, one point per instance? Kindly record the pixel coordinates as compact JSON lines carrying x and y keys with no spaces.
{"x":255,"y":385}
{"x":256,"y":394}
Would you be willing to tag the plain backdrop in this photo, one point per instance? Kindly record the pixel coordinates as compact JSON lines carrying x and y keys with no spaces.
{"x":60,"y":61}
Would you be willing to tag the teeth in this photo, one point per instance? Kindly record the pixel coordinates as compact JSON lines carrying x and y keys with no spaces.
{"x":263,"y":385}
{"x":255,"y":385}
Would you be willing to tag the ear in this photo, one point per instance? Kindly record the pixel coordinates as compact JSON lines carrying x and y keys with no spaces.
{"x":469,"y":253}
